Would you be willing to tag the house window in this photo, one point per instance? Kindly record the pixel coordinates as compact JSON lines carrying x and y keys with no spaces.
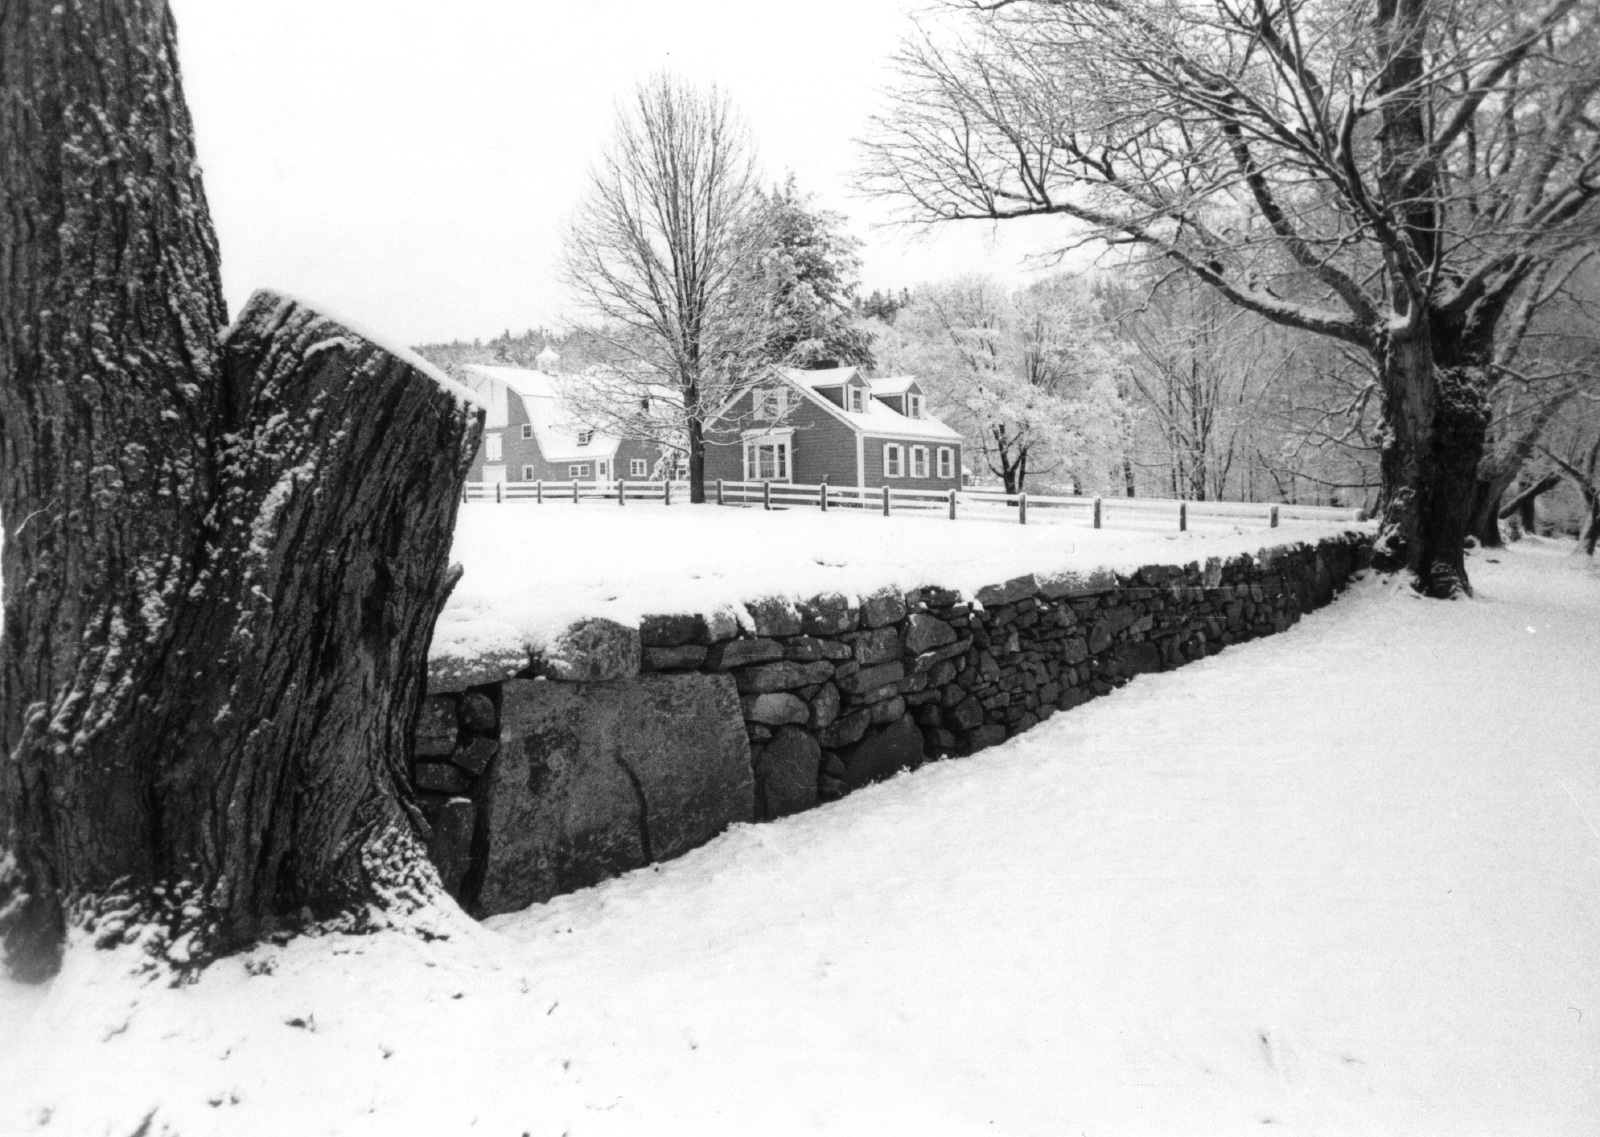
{"x":913,"y":406}
{"x":585,"y":437}
{"x":527,"y":430}
{"x":919,"y":461}
{"x":857,"y":399}
{"x":947,"y":462}
{"x":578,"y":470}
{"x":491,"y":447}
{"x":894,"y":461}
{"x":636,"y":468}
{"x":527,"y":473}
{"x":766,"y":460}
{"x":772,"y":404}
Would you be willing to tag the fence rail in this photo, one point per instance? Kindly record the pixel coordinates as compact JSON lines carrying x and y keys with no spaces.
{"x":1156,"y":514}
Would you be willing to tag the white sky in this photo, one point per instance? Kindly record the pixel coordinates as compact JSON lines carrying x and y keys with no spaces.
{"x":412,"y":163}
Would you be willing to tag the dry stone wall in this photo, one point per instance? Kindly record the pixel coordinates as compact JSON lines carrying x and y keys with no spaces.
{"x":622,"y":746}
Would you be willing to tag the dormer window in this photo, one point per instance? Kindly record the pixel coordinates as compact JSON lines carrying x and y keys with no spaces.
{"x":913,"y":405}
{"x":858,"y":399}
{"x":585,"y":437}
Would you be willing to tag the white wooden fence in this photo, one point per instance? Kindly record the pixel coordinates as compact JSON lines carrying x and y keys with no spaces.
{"x":1155,"y":514}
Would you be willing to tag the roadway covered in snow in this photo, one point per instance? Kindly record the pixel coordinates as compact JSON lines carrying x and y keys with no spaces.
{"x":1339,"y":881}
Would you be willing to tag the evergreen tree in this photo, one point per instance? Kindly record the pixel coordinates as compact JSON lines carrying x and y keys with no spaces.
{"x":811,"y":269}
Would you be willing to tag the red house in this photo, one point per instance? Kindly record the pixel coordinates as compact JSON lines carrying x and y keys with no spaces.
{"x":528,"y":436}
{"x":835,"y":426}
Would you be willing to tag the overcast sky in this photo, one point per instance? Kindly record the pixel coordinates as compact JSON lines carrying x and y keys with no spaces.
{"x":412,"y":164}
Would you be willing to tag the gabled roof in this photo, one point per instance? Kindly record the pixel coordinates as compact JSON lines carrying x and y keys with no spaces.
{"x":554,"y":430}
{"x":878,"y":419}
{"x":825,"y":377}
{"x":894,"y":384}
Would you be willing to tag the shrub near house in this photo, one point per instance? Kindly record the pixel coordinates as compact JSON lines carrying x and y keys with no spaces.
{"x":528,"y":435}
{"x":836,"y":426}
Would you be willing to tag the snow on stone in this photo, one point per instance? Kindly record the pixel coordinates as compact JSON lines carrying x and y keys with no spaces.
{"x":460,"y":392}
{"x":1338,"y":881}
{"x":531,"y":570}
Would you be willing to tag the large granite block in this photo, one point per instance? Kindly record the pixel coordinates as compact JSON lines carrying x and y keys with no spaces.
{"x":594,"y":779}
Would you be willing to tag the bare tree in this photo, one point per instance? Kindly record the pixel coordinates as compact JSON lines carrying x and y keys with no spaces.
{"x":1547,"y":356}
{"x":666,"y":249}
{"x":224,"y":551}
{"x":1386,"y":173}
{"x":1199,"y":370}
{"x":1576,"y":454}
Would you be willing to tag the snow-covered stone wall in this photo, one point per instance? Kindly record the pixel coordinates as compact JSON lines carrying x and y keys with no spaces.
{"x":831,"y":694}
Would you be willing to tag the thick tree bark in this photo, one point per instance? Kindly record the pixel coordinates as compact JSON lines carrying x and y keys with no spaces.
{"x":223,"y":555}
{"x":1437,"y":419}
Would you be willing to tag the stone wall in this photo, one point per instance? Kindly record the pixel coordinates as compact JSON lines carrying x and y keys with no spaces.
{"x":623,"y":746}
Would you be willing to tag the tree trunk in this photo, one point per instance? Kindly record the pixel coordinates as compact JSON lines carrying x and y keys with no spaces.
{"x":223,"y":556}
{"x":697,"y":461}
{"x":1437,"y":420}
{"x":1484,"y":525}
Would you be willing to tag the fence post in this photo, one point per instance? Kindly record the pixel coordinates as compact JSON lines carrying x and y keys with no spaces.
{"x":466,"y":495}
{"x":1183,"y":517}
{"x":1022,"y":509}
{"x":498,"y":499}
{"x":1097,"y":513}
{"x":952,"y":505}
{"x":886,"y":501}
{"x":766,"y":495}
{"x":666,"y":492}
{"x":538,"y":492}
{"x":1274,"y":516}
{"x":574,"y":491}
{"x":823,"y":496}
{"x":622,"y":491}
{"x":719,"y":491}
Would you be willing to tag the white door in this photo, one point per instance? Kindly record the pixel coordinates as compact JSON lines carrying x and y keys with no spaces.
{"x":493,"y":475}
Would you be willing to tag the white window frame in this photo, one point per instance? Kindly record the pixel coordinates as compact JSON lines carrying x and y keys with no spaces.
{"x":919,"y":461}
{"x":585,"y":437}
{"x":493,"y":449}
{"x":772,"y":404}
{"x":637,"y":468}
{"x":578,"y":471}
{"x":894,"y":460}
{"x":527,"y":473}
{"x":913,"y":405}
{"x":947,"y":462}
{"x":527,"y":431}
{"x":781,"y":442}
{"x":855,"y":400}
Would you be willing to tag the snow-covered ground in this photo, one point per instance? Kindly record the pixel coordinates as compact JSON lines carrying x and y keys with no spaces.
{"x":1340,"y":881}
{"x":533,"y":569}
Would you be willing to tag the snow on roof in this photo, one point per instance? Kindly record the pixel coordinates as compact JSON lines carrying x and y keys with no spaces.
{"x":878,"y":419}
{"x":893,"y":384}
{"x":825,"y":377}
{"x":554,"y":430}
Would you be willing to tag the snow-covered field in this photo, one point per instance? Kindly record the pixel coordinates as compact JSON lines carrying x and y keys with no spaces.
{"x":1340,"y":881}
{"x":533,"y":569}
